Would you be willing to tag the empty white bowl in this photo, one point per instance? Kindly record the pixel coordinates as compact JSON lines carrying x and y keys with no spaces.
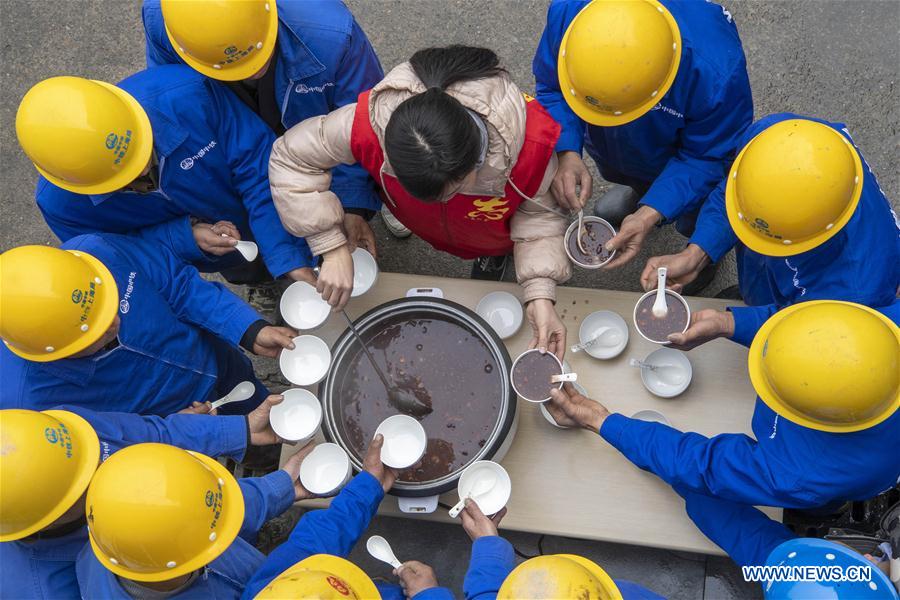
{"x":325,"y":470}
{"x":592,"y":324}
{"x":302,"y":306}
{"x":404,"y":441}
{"x":653,"y":416}
{"x":667,"y":357}
{"x":297,"y":417}
{"x":492,"y":501}
{"x":365,"y":272}
{"x":502,"y":311}
{"x":307,"y":363}
{"x":547,"y":414}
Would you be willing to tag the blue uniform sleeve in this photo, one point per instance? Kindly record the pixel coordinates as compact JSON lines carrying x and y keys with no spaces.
{"x":248,"y":144}
{"x":546,"y":77}
{"x":707,"y":145}
{"x":159,"y":49}
{"x":492,"y":560}
{"x":207,"y":434}
{"x":334,"y":530}
{"x":748,"y":320}
{"x":264,"y":498}
{"x":359,"y":71}
{"x":745,"y":533}
{"x":435,"y":593}
{"x":713,"y":232}
{"x":178,"y":235}
{"x":730,"y":465}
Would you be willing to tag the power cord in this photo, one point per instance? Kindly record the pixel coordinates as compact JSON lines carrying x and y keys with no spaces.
{"x":519,"y":553}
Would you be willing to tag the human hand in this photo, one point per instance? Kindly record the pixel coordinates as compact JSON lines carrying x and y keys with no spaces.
{"x":271,"y":340}
{"x":571,"y":172}
{"x":415,"y":577}
{"x":303,"y":274}
{"x":218,"y":239}
{"x":336,"y":277}
{"x":681,"y":268}
{"x":261,"y":432}
{"x":359,"y":233}
{"x":476,"y":524}
{"x":706,"y":325}
{"x":292,"y":468}
{"x":549,"y":331}
{"x":198,"y":408}
{"x":628,"y":242}
{"x":373,"y":466}
{"x":571,"y":409}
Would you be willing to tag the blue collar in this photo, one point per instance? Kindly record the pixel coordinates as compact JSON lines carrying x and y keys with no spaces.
{"x":295,"y":55}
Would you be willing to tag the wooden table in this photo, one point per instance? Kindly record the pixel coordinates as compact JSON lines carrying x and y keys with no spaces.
{"x":571,"y":482}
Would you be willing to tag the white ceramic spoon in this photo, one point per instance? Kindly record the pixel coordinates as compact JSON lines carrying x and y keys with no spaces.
{"x":482,"y":486}
{"x":564,"y":378}
{"x":669,"y":374}
{"x":249,"y":250}
{"x":660,"y":309}
{"x":606,"y":336}
{"x":241,"y":391}
{"x":381,"y":550}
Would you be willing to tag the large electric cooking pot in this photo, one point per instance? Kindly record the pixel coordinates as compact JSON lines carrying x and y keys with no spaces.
{"x":444,"y":352}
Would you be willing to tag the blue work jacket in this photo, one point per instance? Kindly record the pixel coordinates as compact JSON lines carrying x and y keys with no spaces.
{"x":45,"y":568}
{"x":334,"y":530}
{"x":686,"y":143}
{"x":225,"y":577}
{"x":493,"y":559}
{"x":861,"y":263}
{"x":213,"y":156}
{"x":324,"y":61}
{"x":174,"y":325}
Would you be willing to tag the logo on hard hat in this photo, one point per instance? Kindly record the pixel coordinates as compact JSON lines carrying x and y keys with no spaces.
{"x":111,"y":140}
{"x":339,"y":585}
{"x":51,"y":435}
{"x":230,"y":50}
{"x":210,"y":498}
{"x":77,"y":295}
{"x":124,"y":306}
{"x":187,"y":163}
{"x":761,"y":224}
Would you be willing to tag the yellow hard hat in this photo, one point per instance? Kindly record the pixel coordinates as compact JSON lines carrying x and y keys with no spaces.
{"x":85,"y":136}
{"x":323,"y":577}
{"x":828,"y":365}
{"x":229,"y":40}
{"x":559,"y":576}
{"x":793,"y":187}
{"x":47,"y":461}
{"x":618,"y":58}
{"x":156,"y":512}
{"x":55,"y":303}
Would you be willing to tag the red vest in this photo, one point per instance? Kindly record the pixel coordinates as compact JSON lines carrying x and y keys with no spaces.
{"x":465,"y":226}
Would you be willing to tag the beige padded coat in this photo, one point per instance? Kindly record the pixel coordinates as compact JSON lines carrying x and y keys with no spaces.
{"x":299,"y":173}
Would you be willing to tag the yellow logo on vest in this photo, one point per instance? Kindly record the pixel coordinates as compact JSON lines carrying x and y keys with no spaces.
{"x":494,"y":209}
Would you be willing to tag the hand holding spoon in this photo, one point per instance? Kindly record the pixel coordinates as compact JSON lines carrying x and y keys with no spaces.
{"x":242,"y":391}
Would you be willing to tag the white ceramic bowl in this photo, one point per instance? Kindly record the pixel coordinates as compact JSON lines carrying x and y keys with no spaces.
{"x":670,"y":297}
{"x":404,"y":441}
{"x":571,"y":231}
{"x":365,"y":272}
{"x":307,"y":363}
{"x":325,"y":470}
{"x":592,"y":324}
{"x":297,"y":418}
{"x":492,"y":501}
{"x":547,"y":414}
{"x":667,"y":357}
{"x":653,"y":416}
{"x":302,"y":306}
{"x":502,"y":311}
{"x":513,"y":369}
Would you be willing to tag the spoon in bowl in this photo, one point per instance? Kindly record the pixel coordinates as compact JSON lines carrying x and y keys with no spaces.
{"x":660,"y":309}
{"x":669,"y":374}
{"x":381,"y":550}
{"x":605,"y":336}
{"x":578,"y":239}
{"x":242,"y":391}
{"x":482,"y":486}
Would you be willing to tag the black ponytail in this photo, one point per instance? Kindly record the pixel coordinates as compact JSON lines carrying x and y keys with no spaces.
{"x":431,"y":140}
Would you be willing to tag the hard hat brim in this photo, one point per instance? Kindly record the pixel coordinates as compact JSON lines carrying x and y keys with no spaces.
{"x":588,"y":112}
{"x":105,"y":311}
{"x":231,"y":520}
{"x":597,"y":571}
{"x":773,"y":247}
{"x":244,"y":69}
{"x":89,"y":457}
{"x":143,"y":141}
{"x":771,"y":398}
{"x":355,"y":577}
